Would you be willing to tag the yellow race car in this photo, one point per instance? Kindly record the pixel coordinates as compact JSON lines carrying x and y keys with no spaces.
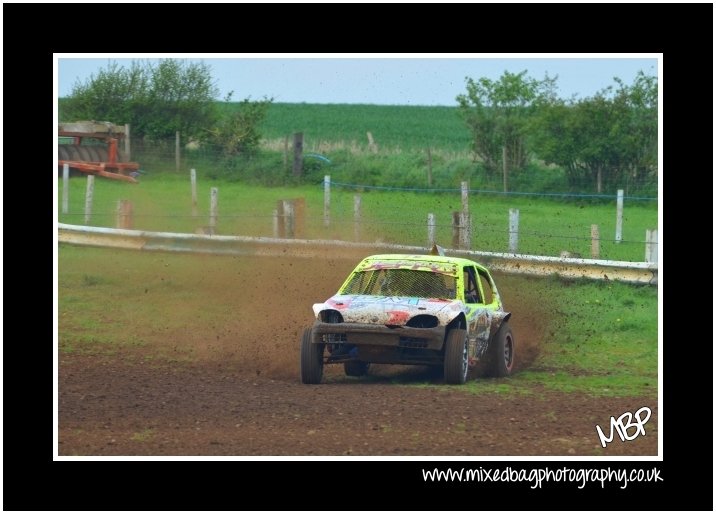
{"x":411,"y":309}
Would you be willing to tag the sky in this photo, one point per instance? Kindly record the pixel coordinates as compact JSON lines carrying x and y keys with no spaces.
{"x":369,"y":79}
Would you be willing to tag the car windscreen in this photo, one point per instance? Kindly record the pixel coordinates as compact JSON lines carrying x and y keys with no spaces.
{"x":401,"y":282}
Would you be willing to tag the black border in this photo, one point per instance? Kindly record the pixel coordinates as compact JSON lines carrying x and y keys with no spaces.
{"x":32,"y":481}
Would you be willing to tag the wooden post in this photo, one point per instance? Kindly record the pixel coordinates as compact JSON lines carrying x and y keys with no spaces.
{"x":125,"y":214}
{"x":514,"y":228}
{"x":177,"y":151}
{"x":297,"y":154}
{"x":595,"y":241}
{"x":356,"y":217}
{"x":431,"y":230}
{"x":192,"y":175}
{"x":327,"y":200}
{"x":620,"y":215}
{"x":65,"y":188}
{"x":289,"y":218}
{"x":652,"y":246}
{"x":299,"y":218}
{"x":213,"y":210}
{"x":504,"y":168}
{"x":275,"y":223}
{"x":285,"y":153}
{"x":127,"y":143}
{"x":430,"y":169}
{"x":88,"y":198}
{"x":465,"y":229}
{"x":456,"y":216}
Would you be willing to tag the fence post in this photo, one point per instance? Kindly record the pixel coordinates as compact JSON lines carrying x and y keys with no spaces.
{"x":125,"y":214}
{"x":456,"y":222}
{"x":514,"y":228}
{"x":465,"y":228}
{"x":620,"y":215}
{"x":88,"y":198}
{"x":327,"y":200}
{"x":275,"y":223}
{"x":595,"y":241}
{"x":127,"y":143}
{"x":213,"y":209}
{"x":192,"y":175}
{"x":285,"y":153}
{"x":652,"y":248}
{"x":288,"y":218}
{"x":177,"y":150}
{"x":297,"y":154}
{"x":431,"y":229}
{"x":356,"y":217}
{"x":65,"y":188}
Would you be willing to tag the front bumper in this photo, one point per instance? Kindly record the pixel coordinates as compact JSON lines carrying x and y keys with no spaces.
{"x":366,"y":334}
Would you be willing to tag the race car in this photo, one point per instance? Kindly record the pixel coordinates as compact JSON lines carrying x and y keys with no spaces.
{"x":411,"y":309}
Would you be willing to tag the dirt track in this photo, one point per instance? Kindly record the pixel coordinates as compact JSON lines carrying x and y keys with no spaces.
{"x":241,"y":394}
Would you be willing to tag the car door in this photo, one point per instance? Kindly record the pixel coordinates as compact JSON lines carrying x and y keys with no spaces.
{"x":478,"y":315}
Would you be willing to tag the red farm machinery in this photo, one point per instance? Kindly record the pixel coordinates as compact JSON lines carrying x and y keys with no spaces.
{"x":92,"y":147}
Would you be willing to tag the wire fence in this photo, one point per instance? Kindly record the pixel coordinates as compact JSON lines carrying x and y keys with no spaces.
{"x":353,"y":212}
{"x":370,"y":168}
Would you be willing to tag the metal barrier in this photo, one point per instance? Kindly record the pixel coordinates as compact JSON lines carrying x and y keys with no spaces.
{"x":623,"y":271}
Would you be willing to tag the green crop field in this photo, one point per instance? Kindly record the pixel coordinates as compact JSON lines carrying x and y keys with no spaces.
{"x":393,"y":127}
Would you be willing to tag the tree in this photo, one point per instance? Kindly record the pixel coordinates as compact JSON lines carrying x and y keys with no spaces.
{"x":497,"y":113}
{"x":604,"y":140}
{"x":237,"y":132}
{"x":157,"y":100}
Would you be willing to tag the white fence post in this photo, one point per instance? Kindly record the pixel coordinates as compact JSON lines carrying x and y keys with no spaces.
{"x":620,"y":215}
{"x":652,"y":246}
{"x":213,"y":209}
{"x":127,"y":143}
{"x":327,"y":200}
{"x":595,"y":241}
{"x":65,"y":188}
{"x":289,"y":219}
{"x":514,"y":230}
{"x":357,"y":215}
{"x":88,"y":198}
{"x":193,"y":193}
{"x":431,"y":230}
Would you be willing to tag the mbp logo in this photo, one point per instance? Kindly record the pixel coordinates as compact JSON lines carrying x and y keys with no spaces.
{"x":623,"y":427}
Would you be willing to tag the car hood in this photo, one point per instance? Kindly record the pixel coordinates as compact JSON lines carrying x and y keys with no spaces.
{"x":389,"y":310}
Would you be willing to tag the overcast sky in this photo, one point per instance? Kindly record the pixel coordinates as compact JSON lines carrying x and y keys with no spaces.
{"x":399,"y":80}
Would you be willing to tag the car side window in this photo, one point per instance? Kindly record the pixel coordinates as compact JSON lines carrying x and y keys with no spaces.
{"x":486,"y":287}
{"x":472,"y":292}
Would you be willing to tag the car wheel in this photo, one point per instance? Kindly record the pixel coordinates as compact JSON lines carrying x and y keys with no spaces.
{"x":502,"y":352}
{"x":311,"y":359}
{"x":356,"y":368}
{"x":456,"y":359}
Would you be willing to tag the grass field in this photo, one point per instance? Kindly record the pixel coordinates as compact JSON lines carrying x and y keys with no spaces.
{"x":162,"y":202}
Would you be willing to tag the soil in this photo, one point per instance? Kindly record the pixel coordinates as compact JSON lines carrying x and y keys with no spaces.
{"x":241,"y":395}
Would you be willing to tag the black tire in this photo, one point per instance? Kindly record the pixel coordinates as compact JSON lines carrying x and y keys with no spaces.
{"x":356,"y":368}
{"x":456,"y":361}
{"x":502,"y":352}
{"x":311,"y":359}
